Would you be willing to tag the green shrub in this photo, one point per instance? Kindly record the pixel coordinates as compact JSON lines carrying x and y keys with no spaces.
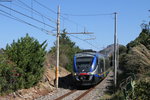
{"x":10,"y":75}
{"x":21,"y":64}
{"x":142,"y":90}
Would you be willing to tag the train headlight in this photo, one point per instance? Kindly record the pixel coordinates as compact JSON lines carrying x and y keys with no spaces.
{"x":90,"y":73}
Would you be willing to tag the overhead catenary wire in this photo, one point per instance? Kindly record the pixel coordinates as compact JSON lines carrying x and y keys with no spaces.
{"x":71,"y":21}
{"x":83,"y":15}
{"x":32,"y":9}
{"x":27,"y":9}
{"x":100,"y":14}
{"x":84,"y":41}
{"x":22,"y":21}
{"x":42,"y":5}
{"x":47,"y":17}
{"x":56,"y":12}
{"x":27,"y":16}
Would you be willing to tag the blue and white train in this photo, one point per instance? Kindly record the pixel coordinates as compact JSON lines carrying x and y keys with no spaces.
{"x":89,"y":68}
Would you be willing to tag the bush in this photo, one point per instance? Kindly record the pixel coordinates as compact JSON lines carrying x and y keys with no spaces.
{"x":142,"y":90}
{"x":10,"y":75}
{"x":21,"y":65}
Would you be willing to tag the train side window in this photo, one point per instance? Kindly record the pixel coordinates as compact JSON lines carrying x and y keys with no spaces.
{"x":107,"y":63}
{"x":102,"y":65}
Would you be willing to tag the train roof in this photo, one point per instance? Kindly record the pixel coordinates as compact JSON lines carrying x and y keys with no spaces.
{"x":83,"y":54}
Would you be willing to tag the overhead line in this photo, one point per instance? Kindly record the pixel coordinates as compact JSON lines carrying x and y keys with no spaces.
{"x":45,"y":6}
{"x":72,"y":21}
{"x":56,"y":12}
{"x":83,"y":16}
{"x":27,"y":16}
{"x":22,"y":21}
{"x":87,"y":14}
{"x":36,"y":11}
{"x":84,"y":41}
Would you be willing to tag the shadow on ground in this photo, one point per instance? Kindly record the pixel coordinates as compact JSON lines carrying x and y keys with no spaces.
{"x":66,"y":82}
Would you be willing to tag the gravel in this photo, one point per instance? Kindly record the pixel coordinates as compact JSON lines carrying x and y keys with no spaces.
{"x":100,"y":89}
{"x":95,"y":94}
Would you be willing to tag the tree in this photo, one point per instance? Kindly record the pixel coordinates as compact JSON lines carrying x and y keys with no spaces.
{"x":67,"y":51}
{"x":28,"y":55}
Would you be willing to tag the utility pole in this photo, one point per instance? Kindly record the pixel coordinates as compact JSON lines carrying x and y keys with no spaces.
{"x":117,"y":53}
{"x":115,"y":44}
{"x":57,"y":46}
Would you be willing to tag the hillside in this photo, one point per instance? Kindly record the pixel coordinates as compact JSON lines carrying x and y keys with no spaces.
{"x":137,"y":60}
{"x":108,"y":50}
{"x":135,"y":64}
{"x":137,"y":57}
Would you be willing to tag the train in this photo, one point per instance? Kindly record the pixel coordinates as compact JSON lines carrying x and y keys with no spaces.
{"x":89,"y":67}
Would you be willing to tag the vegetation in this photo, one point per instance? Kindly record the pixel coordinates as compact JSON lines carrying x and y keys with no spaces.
{"x":67,"y":50}
{"x":135,"y":59}
{"x":21,"y":64}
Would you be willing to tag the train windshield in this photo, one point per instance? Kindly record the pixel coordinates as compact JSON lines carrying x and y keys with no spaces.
{"x":84,"y":64}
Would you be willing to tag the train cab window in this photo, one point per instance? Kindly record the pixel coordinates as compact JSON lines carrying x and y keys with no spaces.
{"x":84,"y":63}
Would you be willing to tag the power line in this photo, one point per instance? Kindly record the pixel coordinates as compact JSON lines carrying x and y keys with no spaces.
{"x":36,"y":11}
{"x":84,"y":15}
{"x":27,"y":9}
{"x":84,"y":41}
{"x":56,"y":13}
{"x":87,"y":14}
{"x":70,"y":20}
{"x":22,"y":21}
{"x":27,"y":16}
{"x":45,"y":6}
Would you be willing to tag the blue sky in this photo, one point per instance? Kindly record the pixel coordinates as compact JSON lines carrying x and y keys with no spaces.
{"x":131,"y":13}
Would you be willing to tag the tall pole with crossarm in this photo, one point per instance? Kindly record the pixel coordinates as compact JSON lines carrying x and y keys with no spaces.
{"x":57,"y":37}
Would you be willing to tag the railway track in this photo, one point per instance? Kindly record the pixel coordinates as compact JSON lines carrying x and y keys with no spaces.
{"x":85,"y":93}
{"x":73,"y":91}
{"x":90,"y":93}
{"x":65,"y":95}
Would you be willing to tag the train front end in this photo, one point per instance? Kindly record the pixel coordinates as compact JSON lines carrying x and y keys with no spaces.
{"x":84,"y":69}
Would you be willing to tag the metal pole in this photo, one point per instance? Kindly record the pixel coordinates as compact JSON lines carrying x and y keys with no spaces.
{"x":117,"y":53}
{"x":57,"y":37}
{"x":115,"y":58}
